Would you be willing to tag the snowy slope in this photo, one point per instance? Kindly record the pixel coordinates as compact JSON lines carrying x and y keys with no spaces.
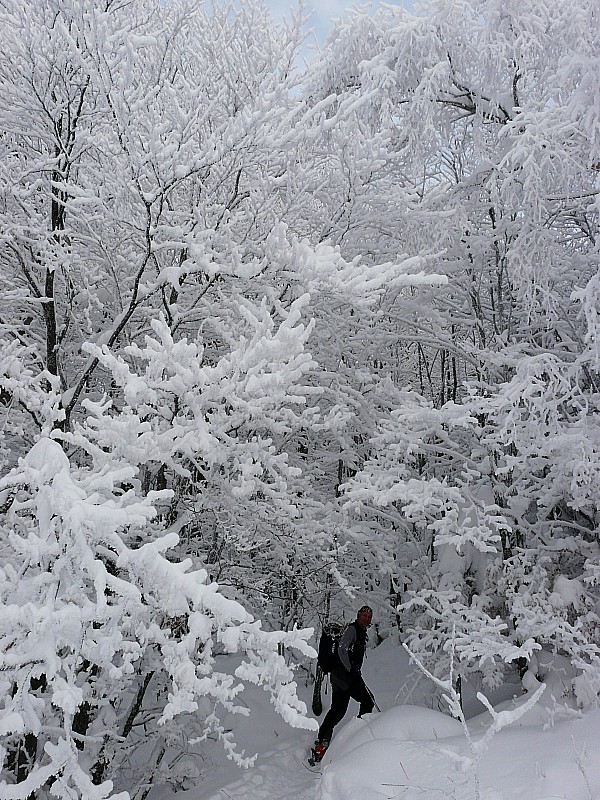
{"x":411,"y":752}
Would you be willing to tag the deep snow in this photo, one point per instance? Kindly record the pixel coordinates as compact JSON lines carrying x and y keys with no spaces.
{"x":414,"y":752}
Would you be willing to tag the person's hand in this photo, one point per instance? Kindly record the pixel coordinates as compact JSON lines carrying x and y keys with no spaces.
{"x":355,"y":671}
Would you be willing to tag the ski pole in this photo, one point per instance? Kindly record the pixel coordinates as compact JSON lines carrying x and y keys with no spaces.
{"x":372,"y":696}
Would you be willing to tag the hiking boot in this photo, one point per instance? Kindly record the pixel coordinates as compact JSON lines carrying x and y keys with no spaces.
{"x":319,"y":750}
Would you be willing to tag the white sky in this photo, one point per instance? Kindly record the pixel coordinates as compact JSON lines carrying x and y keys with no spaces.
{"x":324,"y":11}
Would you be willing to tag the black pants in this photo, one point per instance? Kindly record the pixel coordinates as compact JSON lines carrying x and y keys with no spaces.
{"x":339,"y":705}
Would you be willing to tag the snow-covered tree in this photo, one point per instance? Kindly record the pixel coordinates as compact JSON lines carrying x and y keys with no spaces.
{"x":487,"y":121}
{"x":139,"y":170}
{"x":140,"y":184}
{"x":93,"y":612}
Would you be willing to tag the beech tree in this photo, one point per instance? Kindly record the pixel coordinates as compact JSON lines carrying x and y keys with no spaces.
{"x":134,"y":137}
{"x":486,"y":121}
{"x":161,"y":298}
{"x":93,"y":612}
{"x":142,"y":149}
{"x":270,"y":340}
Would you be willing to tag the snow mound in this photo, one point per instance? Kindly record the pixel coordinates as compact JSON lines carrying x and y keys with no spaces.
{"x":413,"y":752}
{"x":403,"y":723}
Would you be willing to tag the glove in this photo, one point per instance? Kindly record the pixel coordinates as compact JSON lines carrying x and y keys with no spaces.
{"x":355,"y":672}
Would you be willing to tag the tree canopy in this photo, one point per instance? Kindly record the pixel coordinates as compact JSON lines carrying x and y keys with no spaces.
{"x":275,"y":339}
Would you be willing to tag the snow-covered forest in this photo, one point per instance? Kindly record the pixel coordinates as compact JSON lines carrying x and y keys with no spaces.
{"x":277,"y":340}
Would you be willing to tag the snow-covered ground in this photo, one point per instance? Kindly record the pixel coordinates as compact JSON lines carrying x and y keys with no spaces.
{"x":413,"y":752}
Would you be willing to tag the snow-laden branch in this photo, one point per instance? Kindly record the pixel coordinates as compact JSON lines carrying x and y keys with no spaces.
{"x":85,"y":614}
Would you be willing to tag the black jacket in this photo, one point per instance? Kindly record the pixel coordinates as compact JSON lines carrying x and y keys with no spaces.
{"x":351,"y":652}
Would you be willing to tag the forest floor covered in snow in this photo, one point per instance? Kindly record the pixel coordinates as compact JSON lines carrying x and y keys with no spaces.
{"x":411,"y":750}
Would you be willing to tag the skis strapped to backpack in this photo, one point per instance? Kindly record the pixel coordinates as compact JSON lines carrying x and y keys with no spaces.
{"x":317,"y":703}
{"x":326,"y":660}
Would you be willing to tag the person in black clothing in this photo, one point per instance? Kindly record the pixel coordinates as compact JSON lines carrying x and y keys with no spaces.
{"x":346,"y":678}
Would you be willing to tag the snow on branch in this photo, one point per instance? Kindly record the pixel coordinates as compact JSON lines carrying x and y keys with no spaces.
{"x":86,"y":613}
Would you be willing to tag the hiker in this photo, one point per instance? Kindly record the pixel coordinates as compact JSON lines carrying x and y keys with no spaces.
{"x":346,"y":679}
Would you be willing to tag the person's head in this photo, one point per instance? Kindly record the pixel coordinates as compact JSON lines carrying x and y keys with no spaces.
{"x":364,"y":616}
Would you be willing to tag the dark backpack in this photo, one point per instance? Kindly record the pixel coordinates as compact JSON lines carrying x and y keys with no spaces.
{"x":328,"y":646}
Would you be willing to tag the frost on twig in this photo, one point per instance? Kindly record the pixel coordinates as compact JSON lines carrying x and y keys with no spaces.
{"x":500,"y":719}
